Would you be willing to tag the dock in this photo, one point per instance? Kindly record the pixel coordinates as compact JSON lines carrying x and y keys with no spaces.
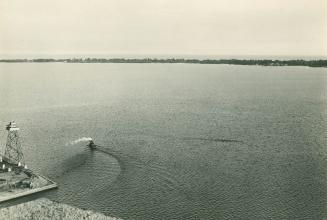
{"x":16,"y":180}
{"x":16,"y":193}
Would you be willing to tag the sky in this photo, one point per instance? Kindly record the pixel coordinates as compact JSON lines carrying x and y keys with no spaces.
{"x":172,"y":27}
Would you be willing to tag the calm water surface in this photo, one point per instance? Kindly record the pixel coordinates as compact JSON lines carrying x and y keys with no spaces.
{"x":181,"y":141}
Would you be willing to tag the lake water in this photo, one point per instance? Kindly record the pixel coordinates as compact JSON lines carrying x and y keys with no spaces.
{"x":183,"y":141}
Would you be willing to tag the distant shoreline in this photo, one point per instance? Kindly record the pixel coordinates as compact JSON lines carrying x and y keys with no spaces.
{"x":258,"y":62}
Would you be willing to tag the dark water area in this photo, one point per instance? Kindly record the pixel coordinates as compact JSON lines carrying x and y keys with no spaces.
{"x":176,"y":141}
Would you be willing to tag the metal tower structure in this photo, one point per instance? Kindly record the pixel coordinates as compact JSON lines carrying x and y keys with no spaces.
{"x":13,"y":151}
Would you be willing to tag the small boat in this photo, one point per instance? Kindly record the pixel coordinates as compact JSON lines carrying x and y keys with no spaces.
{"x":91,"y":145}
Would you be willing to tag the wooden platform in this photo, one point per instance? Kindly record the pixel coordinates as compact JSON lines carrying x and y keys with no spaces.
{"x":16,"y":193}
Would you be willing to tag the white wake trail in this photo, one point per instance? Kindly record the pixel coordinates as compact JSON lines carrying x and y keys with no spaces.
{"x":83,"y":139}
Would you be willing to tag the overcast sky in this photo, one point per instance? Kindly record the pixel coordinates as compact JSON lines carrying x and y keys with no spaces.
{"x":190,"y":27}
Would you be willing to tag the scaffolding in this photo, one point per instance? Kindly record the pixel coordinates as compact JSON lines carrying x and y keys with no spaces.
{"x":13,"y":151}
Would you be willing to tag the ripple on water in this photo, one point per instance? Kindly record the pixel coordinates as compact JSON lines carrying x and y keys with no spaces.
{"x":94,"y":172}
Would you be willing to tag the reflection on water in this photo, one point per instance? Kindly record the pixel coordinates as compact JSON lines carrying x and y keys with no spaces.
{"x":176,"y":141}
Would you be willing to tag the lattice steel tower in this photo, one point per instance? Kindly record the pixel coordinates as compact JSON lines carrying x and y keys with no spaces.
{"x":13,"y":152}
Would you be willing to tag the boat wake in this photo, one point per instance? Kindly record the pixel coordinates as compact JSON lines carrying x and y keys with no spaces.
{"x":213,"y":139}
{"x":130,"y":164}
{"x":83,"y":139}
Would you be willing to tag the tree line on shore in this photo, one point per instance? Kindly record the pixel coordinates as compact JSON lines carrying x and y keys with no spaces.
{"x":260,"y":62}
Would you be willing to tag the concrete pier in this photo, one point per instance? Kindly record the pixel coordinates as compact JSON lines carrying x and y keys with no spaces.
{"x":20,"y":192}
